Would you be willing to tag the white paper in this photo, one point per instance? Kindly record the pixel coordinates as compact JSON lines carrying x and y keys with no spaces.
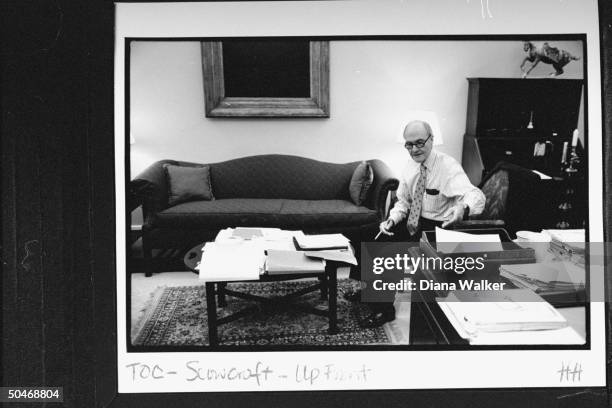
{"x":322,"y":241}
{"x":455,"y":241}
{"x":292,"y":261}
{"x":231,"y":261}
{"x":571,"y":236}
{"x":566,"y":335}
{"x":345,"y":256}
{"x":542,"y":175}
{"x":511,"y":310}
{"x":561,"y":272}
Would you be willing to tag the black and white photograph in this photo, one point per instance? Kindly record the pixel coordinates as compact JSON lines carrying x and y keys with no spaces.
{"x":246,"y":153}
{"x":315,"y":203}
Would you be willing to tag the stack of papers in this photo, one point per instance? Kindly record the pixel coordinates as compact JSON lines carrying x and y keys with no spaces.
{"x":448,"y":241}
{"x":566,"y":335}
{"x":281,"y":262}
{"x":545,"y":277}
{"x":241,"y":254}
{"x":510,"y":310}
{"x":568,"y":244}
{"x":338,"y":255}
{"x":321,"y":242}
{"x":256,"y":234}
{"x":225,"y":262}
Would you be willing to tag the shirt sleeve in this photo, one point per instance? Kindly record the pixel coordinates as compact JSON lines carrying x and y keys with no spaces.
{"x":460,"y":187}
{"x":402,"y":206}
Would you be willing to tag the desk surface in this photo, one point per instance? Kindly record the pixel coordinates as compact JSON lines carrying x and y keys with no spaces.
{"x":433,"y":317}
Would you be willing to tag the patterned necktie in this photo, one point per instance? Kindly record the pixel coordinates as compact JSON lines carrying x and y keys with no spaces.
{"x":417,"y":202}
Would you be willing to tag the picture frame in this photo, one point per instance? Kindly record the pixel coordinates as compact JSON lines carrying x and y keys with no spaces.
{"x":218,"y":105}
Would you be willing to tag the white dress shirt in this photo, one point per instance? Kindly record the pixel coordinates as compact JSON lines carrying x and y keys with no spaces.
{"x":444,"y":175}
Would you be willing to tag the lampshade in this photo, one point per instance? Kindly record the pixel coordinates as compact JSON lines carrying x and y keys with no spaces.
{"x":426,"y":116}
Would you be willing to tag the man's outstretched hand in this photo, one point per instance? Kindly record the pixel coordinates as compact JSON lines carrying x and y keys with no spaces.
{"x":456,"y":215}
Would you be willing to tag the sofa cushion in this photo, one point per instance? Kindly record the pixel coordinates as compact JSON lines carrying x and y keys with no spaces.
{"x":251,"y":212}
{"x":305,"y":214}
{"x":360,"y":184}
{"x":188,"y":183}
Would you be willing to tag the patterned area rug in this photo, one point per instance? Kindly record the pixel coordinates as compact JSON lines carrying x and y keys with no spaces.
{"x":177,"y":317}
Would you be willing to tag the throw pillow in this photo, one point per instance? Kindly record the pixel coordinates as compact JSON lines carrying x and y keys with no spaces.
{"x":188,"y":184}
{"x":362,"y":179}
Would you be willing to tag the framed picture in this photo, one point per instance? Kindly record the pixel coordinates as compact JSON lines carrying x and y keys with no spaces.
{"x":266,"y":78}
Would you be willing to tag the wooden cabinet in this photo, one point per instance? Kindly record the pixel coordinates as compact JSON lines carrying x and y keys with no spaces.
{"x":507,"y":117}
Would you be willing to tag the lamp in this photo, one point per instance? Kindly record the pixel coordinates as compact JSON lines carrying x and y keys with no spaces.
{"x":426,"y":116}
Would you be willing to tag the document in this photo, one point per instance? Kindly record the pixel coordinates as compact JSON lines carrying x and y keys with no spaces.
{"x":542,"y":277}
{"x":321,"y":241}
{"x":280,"y":262}
{"x":502,"y":311}
{"x":449,"y":241}
{"x":565,"y":335}
{"x":338,"y":255}
{"x":231,"y":261}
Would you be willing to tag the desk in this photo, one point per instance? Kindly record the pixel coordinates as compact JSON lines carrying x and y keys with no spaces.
{"x":216,"y":292}
{"x":429,"y":324}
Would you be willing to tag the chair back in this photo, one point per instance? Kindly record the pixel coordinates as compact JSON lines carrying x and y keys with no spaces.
{"x":495,"y":189}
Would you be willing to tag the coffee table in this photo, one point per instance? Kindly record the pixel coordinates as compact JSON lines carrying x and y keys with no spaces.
{"x":217,"y":291}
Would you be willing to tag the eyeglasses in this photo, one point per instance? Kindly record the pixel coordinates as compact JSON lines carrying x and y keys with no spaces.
{"x":419,"y":144}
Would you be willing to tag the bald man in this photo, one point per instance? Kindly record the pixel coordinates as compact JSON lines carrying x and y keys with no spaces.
{"x":433,"y":191}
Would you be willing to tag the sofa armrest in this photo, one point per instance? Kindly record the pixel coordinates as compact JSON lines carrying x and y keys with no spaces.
{"x":383,"y":183}
{"x":151,"y":188}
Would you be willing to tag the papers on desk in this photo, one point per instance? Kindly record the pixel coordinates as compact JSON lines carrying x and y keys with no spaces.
{"x":449,"y":241}
{"x":502,"y":311}
{"x":542,"y":277}
{"x":565,"y":335}
{"x":231,"y":261}
{"x":256,"y":234}
{"x":568,"y":244}
{"x":574,"y":236}
{"x":281,"y":262}
{"x":321,"y":242}
{"x":338,"y":255}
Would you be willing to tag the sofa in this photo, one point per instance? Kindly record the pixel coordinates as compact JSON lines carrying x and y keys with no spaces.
{"x":280,"y":191}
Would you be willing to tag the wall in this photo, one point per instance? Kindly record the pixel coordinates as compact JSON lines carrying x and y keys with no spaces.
{"x":374,"y":84}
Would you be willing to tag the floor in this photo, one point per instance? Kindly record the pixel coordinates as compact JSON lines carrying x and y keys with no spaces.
{"x":143,"y":290}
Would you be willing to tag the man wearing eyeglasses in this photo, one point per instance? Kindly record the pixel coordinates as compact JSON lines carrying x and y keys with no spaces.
{"x":434,"y":191}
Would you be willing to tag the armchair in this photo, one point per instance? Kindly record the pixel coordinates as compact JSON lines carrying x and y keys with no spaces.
{"x":514,"y":200}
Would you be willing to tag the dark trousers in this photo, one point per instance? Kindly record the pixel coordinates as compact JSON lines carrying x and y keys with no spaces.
{"x":401,"y":234}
